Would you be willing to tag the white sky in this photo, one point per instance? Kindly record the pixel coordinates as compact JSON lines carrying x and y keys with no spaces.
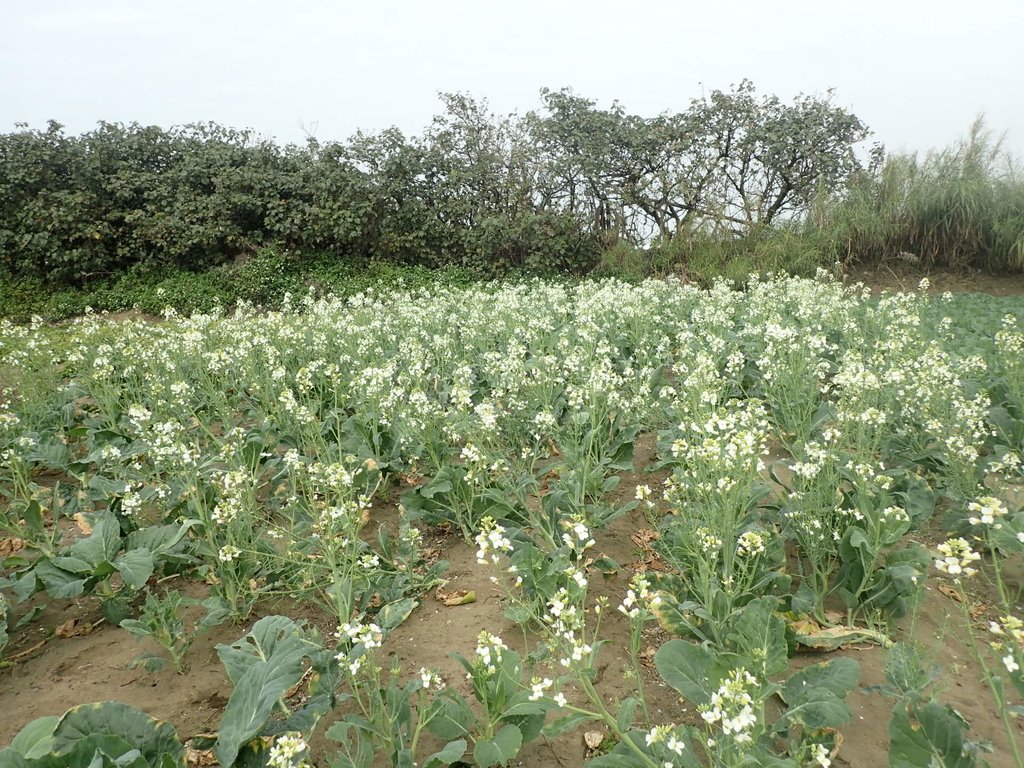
{"x":916,"y":72}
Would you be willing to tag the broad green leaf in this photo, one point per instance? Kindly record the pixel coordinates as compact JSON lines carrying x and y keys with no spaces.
{"x":253,"y":700}
{"x":569,"y":722}
{"x":25,"y":586}
{"x":526,"y":707}
{"x":75,"y":565}
{"x":393,"y":614}
{"x":804,"y":599}
{"x":760,"y":636}
{"x":837,"y":676}
{"x":932,"y":735}
{"x":815,"y":710}
{"x":158,"y":538}
{"x":627,"y":711}
{"x":59,"y":583}
{"x":260,"y":644}
{"x":9,"y":758}
{"x":453,"y":750}
{"x":36,"y":738}
{"x":499,"y":750}
{"x":135,"y":567}
{"x":115,"y":609}
{"x":691,"y":669}
{"x":262,"y":665}
{"x":103,"y":543}
{"x":112,"y":723}
{"x":451,"y":716}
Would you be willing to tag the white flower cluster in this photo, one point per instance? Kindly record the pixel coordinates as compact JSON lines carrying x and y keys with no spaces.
{"x":1011,"y":631}
{"x":368,"y":636}
{"x":489,"y":648}
{"x":289,"y":751}
{"x":957,"y":557}
{"x":539,"y":686}
{"x":665,"y":734}
{"x":732,"y":707}
{"x":639,"y":597}
{"x":235,"y":486}
{"x":566,"y":620}
{"x":987,"y":511}
{"x":577,"y":535}
{"x":709,"y":542}
{"x":430,"y":679}
{"x":491,"y":542}
{"x":751,"y":544}
{"x":362,"y":639}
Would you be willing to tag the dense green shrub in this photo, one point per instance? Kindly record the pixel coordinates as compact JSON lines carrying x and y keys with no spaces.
{"x":200,"y":216}
{"x":546,"y":192}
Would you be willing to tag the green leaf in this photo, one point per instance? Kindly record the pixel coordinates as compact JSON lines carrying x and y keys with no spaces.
{"x":804,"y":600}
{"x":499,"y":750}
{"x":217,"y":611}
{"x":451,"y":717}
{"x":103,"y":543}
{"x":526,"y":707}
{"x":814,"y":711}
{"x":518,"y":614}
{"x":9,"y":758}
{"x":606,"y":566}
{"x":30,"y":616}
{"x":25,"y":586}
{"x":758,"y":635}
{"x":837,"y":676}
{"x":115,"y":609}
{"x":918,"y":499}
{"x":814,"y":695}
{"x":691,"y":669}
{"x":932,"y":735}
{"x":74,"y":565}
{"x":627,"y":711}
{"x":59,"y":583}
{"x":36,"y":738}
{"x":263,"y":665}
{"x":453,"y":750}
{"x":135,"y":567}
{"x":559,"y":726}
{"x":112,"y":724}
{"x":906,"y":672}
{"x":259,"y":645}
{"x":159,"y":539}
{"x":393,"y":614}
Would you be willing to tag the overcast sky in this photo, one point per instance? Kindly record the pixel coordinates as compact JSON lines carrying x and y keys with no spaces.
{"x":916,"y":72}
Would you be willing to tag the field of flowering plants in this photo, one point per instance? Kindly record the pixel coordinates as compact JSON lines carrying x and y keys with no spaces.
{"x":518,"y":524}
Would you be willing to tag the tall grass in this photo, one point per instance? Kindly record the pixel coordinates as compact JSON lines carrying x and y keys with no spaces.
{"x":961,"y":207}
